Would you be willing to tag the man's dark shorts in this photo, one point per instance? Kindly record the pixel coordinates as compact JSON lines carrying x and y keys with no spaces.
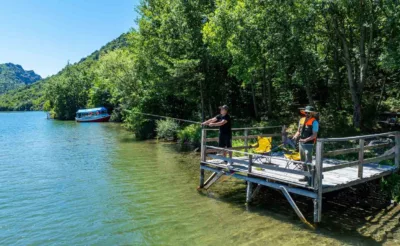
{"x":225,"y":141}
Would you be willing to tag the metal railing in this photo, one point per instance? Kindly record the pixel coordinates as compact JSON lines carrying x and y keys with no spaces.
{"x":315,"y":170}
{"x":246,"y":137}
{"x":244,"y":168}
{"x":360,"y":149}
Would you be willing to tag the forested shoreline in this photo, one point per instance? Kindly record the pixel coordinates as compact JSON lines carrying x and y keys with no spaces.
{"x":263,"y":58}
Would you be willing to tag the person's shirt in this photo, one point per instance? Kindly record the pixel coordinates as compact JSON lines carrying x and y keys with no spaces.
{"x":225,"y":128}
{"x":315,"y":124}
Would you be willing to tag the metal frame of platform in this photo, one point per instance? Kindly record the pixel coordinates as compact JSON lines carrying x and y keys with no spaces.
{"x":325,"y":175}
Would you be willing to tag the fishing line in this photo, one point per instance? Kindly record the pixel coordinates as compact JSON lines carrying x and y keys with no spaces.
{"x":166,"y":117}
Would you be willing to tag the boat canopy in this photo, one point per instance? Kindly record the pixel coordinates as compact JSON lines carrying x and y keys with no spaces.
{"x":91,"y":110}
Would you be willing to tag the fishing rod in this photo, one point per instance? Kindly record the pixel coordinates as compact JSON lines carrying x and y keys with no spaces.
{"x":166,"y":117}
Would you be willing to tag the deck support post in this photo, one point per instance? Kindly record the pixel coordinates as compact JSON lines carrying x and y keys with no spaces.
{"x":361,"y":158}
{"x":213,"y":179}
{"x":250,"y":167}
{"x":250,"y":194}
{"x":294,"y":205}
{"x":201,"y":184}
{"x":316,"y":204}
{"x":318,"y":181}
{"x":397,"y":150}
{"x":210,"y":178}
{"x":249,"y":191}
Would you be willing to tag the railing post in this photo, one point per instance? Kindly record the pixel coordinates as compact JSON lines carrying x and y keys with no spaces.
{"x":246,"y":140}
{"x":203,"y":156}
{"x":203,"y":144}
{"x":250,"y":164}
{"x":397,"y":150}
{"x":318,"y":181}
{"x":361,"y":158}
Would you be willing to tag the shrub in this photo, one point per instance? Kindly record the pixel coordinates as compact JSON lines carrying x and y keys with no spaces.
{"x":392,"y":104}
{"x":338,"y":124}
{"x":143,"y":128}
{"x":116,"y":115}
{"x":190,"y":135}
{"x":237,"y":143}
{"x":391,"y":186}
{"x":167,"y":129}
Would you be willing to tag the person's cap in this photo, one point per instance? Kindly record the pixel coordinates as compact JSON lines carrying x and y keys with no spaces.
{"x":309,"y":109}
{"x":224,"y":107}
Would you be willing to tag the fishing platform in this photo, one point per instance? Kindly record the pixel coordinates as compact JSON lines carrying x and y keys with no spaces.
{"x":374,"y":156}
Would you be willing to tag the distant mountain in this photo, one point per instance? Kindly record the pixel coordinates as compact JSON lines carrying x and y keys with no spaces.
{"x":13,"y":76}
{"x":31,"y":96}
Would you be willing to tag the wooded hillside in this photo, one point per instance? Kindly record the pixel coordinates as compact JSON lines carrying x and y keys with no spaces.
{"x":32,"y":96}
{"x":13,"y":76}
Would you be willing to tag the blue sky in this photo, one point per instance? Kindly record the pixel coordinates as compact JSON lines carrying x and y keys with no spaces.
{"x":42,"y":35}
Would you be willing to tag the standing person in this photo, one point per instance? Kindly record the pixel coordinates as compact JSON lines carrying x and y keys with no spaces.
{"x":223,"y":120}
{"x":308,"y":133}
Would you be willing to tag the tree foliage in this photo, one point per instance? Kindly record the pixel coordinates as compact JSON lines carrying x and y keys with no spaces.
{"x":261,"y":57}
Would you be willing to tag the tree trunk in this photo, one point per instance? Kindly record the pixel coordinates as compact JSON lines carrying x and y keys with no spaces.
{"x":381,"y":95}
{"x":356,"y":68}
{"x":264,"y":88}
{"x":363,"y":65}
{"x":307,"y":87}
{"x":267,"y":84}
{"x":210,"y":109}
{"x":337,"y":77}
{"x":352,"y":85}
{"x":269,"y":97}
{"x":364,"y":57}
{"x":203,"y":117}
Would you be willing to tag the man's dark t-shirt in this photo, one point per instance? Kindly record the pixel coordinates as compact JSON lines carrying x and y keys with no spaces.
{"x":225,"y":129}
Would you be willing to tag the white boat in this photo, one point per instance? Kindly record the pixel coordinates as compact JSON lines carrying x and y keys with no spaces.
{"x":92,"y":115}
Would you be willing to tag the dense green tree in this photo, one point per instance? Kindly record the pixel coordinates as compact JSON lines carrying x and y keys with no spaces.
{"x":69,"y":92}
{"x":117,"y":85}
{"x":262,"y":57}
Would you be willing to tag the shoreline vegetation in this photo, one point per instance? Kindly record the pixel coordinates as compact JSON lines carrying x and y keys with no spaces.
{"x":264,"y":59}
{"x":187,"y":58}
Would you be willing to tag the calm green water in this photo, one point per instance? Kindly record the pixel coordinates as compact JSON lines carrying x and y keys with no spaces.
{"x":64,"y":183}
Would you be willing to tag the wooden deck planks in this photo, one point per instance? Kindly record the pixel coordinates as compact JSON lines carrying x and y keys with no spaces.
{"x":332,"y":180}
{"x":326,"y":175}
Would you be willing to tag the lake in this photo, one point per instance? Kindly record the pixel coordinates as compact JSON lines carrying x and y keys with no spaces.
{"x":65,"y":183}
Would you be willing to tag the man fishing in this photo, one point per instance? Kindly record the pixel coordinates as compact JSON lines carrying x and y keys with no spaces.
{"x":223,"y":120}
{"x":308,"y":132}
